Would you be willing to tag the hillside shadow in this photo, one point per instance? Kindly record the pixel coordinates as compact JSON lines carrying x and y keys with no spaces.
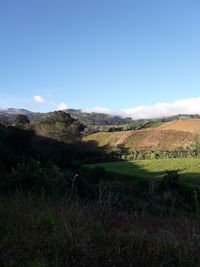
{"x":19,"y":145}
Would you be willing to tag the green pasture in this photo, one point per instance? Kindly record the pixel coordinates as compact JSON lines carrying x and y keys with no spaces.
{"x":155,"y":124}
{"x":189,"y":169}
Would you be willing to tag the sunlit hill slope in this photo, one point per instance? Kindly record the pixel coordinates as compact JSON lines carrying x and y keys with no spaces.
{"x":170,"y":135}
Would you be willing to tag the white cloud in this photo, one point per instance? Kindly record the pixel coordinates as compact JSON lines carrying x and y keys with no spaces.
{"x":61,"y":106}
{"x":39,"y":99}
{"x":182,"y":106}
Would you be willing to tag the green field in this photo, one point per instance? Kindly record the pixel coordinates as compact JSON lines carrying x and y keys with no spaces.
{"x":155,"y":124}
{"x":189,"y":169}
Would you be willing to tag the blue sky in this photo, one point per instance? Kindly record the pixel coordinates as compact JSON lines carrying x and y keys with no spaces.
{"x":115,"y":54}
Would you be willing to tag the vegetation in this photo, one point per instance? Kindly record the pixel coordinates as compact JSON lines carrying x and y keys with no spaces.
{"x":21,"y":119}
{"x":60,"y":126}
{"x":88,"y":119}
{"x":155,"y":124}
{"x":188,"y":169}
{"x":95,"y":118}
{"x":190,"y":152}
{"x":146,"y":139}
{"x":83,"y":117}
{"x":138,"y":125}
{"x":64,"y":202}
{"x":39,"y":231}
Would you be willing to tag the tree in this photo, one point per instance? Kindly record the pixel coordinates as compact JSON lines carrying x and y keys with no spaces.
{"x":22,"y":119}
{"x":60,"y":126}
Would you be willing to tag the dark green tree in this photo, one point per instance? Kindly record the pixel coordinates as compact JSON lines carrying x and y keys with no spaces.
{"x":22,"y":119}
{"x":60,"y":126}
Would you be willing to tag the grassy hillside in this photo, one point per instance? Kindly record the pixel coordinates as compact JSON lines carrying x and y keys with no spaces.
{"x":143,"y":139}
{"x":155,"y":124}
{"x":189,"y":169}
{"x":158,"y":136}
{"x":192,"y":125}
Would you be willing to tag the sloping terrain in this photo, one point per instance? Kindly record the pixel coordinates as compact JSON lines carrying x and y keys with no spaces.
{"x":158,"y":139}
{"x":192,"y":125}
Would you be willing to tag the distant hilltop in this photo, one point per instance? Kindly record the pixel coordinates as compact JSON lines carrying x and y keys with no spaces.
{"x":15,"y":111}
{"x":86,"y":118}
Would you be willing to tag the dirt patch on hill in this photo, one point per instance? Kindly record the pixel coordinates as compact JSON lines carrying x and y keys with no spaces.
{"x":192,"y":125}
{"x":144,"y":139}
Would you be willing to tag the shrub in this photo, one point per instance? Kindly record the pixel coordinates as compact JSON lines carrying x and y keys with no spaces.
{"x":33,"y":175}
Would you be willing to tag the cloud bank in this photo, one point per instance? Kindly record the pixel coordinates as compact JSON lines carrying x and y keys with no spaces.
{"x":182,"y":106}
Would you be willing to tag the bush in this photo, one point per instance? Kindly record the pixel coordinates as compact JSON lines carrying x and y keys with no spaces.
{"x":35,"y":176}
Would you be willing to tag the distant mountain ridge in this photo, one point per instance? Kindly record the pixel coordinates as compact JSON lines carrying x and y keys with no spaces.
{"x":94,"y":118}
{"x":15,"y":111}
{"x":85,"y":118}
{"x":8,"y":115}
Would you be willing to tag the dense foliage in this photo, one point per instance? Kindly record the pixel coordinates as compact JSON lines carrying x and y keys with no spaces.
{"x":114,"y":128}
{"x":162,"y":154}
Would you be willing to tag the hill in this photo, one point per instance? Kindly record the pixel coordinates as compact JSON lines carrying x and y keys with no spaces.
{"x":14,"y":111}
{"x":143,"y":139}
{"x":83,"y":117}
{"x":99,"y":119}
{"x":8,"y":115}
{"x":95,"y":118}
{"x":192,"y":125}
{"x":169,"y":135}
{"x":88,"y":119}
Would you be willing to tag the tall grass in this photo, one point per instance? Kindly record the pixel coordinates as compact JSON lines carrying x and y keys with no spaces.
{"x":39,"y":231}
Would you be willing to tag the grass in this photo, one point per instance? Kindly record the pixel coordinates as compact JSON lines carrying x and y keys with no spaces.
{"x":41,"y":232}
{"x":155,"y":124}
{"x":189,"y":169}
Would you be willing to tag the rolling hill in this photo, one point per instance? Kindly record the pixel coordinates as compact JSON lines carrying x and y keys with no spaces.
{"x":170,"y":135}
{"x":192,"y":125}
